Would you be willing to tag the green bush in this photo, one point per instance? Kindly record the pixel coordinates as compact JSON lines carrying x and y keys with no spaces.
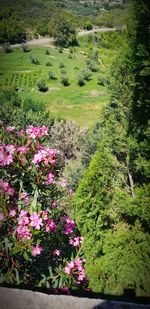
{"x":65,"y":80}
{"x":47,"y":52}
{"x":52,"y":76}
{"x":25,"y":48}
{"x":81,"y":80}
{"x":42,"y":85}
{"x":48,"y":64}
{"x":7,"y":48}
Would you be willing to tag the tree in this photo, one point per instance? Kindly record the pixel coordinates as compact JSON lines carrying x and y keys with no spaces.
{"x":62,"y":28}
{"x":42,"y":85}
{"x":112,"y":201}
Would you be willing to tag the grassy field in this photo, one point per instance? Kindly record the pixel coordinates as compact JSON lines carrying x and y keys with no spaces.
{"x":81,"y":104}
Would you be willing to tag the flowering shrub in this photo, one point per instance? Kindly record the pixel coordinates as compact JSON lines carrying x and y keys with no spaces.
{"x":39,"y":244}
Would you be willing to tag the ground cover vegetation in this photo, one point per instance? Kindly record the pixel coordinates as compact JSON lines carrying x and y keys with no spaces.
{"x":112,"y":200}
{"x":80,"y":68}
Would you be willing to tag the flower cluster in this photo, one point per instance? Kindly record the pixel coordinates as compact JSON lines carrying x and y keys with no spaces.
{"x":6,"y":154}
{"x":5,"y":188}
{"x":36,"y":132}
{"x":32,"y":211}
{"x":76,"y":241}
{"x":75,"y":268}
{"x":45,"y":155}
{"x":69,"y":225}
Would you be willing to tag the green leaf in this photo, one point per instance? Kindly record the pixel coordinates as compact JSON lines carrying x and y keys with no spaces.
{"x":26,"y":256}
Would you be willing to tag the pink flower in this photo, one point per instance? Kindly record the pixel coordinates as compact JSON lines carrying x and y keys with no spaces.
{"x":54,"y":205}
{"x":63,"y":183}
{"x":10,"y":129}
{"x":23,"y":196}
{"x":50,"y":178}
{"x":6,"y":154}
{"x":46,"y":155}
{"x":22,"y":149}
{"x":12,"y":213}
{"x":36,"y":221}
{"x":1,"y":217}
{"x":23,"y":232}
{"x":56,"y":252}
{"x":76,"y":241}
{"x":44,"y":214}
{"x":36,"y":132}
{"x":20,"y":133}
{"x":69,"y":267}
{"x":5,"y":188}
{"x":69,"y":226}
{"x":50,"y":226}
{"x":36,"y":250}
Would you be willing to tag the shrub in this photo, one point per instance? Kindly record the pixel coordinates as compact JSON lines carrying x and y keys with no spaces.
{"x":61,"y":65}
{"x":92,"y":66}
{"x":86,"y":73}
{"x":35,"y":61}
{"x":25,"y":48}
{"x":47,"y":52}
{"x":60,"y":49}
{"x":65,"y":80}
{"x":63,"y":71}
{"x":101,"y":81}
{"x":48,"y":64}
{"x":88,"y":25}
{"x":42,"y":85}
{"x":81,"y":80}
{"x":7,"y":48}
{"x":52,"y":76}
{"x":39,"y":241}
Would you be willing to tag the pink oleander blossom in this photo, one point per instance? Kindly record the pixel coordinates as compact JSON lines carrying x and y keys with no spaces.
{"x":6,"y":154}
{"x":1,"y":217}
{"x":24,"y":197}
{"x":12,"y":213}
{"x":69,"y":225}
{"x":45,"y":155}
{"x":6,"y":188}
{"x":76,"y":241}
{"x":50,"y":178}
{"x":23,"y":232}
{"x":36,"y":221}
{"x":56,"y":252}
{"x":44,"y":214}
{"x":75,"y":268}
{"x":54,"y":205}
{"x":10,"y":129}
{"x":50,"y":226}
{"x":36,"y":132}
{"x":22,"y":149}
{"x":36,"y":250}
{"x":63,"y":183}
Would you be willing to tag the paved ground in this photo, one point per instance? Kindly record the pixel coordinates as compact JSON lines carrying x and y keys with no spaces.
{"x":22,"y":299}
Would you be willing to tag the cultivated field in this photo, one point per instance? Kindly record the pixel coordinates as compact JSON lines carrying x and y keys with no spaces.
{"x":83,"y":104}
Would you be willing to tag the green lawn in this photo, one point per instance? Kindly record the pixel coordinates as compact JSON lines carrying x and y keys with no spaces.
{"x":81,"y":104}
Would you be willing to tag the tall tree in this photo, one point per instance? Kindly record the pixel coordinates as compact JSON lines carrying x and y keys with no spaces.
{"x":112,"y":201}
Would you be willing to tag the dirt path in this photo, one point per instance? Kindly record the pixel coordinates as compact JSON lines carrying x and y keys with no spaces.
{"x":47,"y":41}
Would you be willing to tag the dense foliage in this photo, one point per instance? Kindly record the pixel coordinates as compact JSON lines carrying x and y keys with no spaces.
{"x":39,"y":241}
{"x":112,"y":200}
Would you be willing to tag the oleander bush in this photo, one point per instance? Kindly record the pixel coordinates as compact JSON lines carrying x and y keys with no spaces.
{"x":39,"y":242}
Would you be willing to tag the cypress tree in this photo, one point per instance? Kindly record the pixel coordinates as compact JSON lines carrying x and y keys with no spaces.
{"x":112,"y":201}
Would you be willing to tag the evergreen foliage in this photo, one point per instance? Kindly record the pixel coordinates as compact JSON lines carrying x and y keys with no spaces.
{"x":112,"y":202}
